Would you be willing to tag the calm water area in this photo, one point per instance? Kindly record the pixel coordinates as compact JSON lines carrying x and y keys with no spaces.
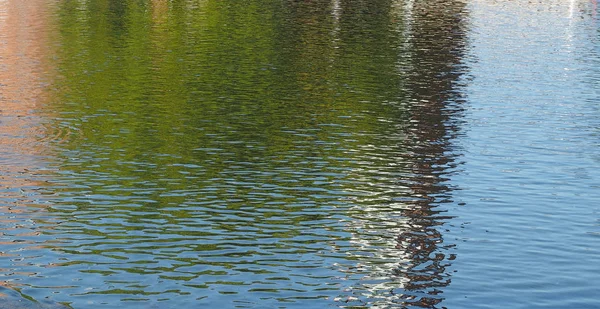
{"x":299,"y":154}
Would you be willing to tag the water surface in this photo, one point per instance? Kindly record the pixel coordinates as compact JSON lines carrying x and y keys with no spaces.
{"x":284,"y":154}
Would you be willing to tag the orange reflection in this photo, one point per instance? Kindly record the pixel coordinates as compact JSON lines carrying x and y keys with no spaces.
{"x":24,"y":46}
{"x":24,"y":72}
{"x":24,"y":68}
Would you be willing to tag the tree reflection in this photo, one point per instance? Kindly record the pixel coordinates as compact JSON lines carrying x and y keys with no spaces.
{"x":437,"y":46}
{"x":424,"y":109}
{"x":264,"y":123}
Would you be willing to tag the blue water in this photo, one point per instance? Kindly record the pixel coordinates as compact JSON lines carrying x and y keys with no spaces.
{"x":530,"y":179}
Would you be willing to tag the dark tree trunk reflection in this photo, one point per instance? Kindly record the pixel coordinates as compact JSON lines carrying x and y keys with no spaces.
{"x":436,"y":45}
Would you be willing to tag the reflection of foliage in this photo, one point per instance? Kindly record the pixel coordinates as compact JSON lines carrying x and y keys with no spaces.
{"x":202,"y":78}
{"x":218,"y":126}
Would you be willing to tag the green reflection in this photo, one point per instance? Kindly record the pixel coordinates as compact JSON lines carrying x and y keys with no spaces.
{"x":277,"y":146}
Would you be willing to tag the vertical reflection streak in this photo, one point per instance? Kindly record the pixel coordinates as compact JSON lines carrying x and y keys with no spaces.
{"x":23,"y":44}
{"x":439,"y":43}
{"x":24,"y":137}
{"x":412,"y":270}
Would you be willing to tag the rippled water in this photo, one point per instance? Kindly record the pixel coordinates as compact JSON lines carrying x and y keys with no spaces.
{"x":299,"y":154}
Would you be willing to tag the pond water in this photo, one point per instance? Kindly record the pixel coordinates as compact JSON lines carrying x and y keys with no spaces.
{"x":299,"y":154}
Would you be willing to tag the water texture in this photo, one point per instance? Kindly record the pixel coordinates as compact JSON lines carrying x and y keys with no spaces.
{"x":299,"y":154}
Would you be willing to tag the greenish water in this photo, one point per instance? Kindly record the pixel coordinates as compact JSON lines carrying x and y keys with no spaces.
{"x":282,"y":154}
